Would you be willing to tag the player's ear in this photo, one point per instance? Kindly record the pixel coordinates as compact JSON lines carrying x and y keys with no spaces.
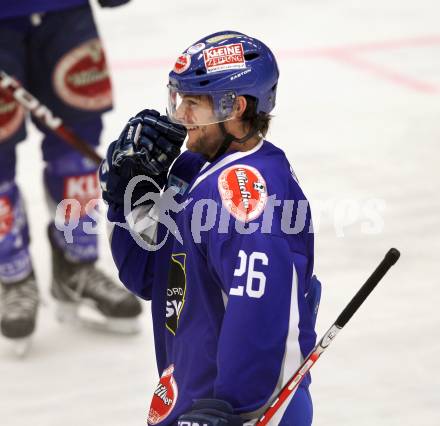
{"x":240,"y":106}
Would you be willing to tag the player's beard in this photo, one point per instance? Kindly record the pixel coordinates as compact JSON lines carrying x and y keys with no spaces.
{"x":205,"y":140}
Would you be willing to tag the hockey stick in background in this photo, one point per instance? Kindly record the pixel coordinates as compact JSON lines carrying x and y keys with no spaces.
{"x":45,"y":116}
{"x":292,"y":385}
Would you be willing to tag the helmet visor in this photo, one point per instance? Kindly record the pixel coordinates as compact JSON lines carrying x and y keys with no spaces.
{"x":192,"y":109}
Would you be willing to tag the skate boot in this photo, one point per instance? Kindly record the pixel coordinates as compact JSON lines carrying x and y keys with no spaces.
{"x":19,"y":312}
{"x":87,"y":296}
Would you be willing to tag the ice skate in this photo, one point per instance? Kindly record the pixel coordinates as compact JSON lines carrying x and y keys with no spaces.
{"x":19,"y":312}
{"x":86,"y":296}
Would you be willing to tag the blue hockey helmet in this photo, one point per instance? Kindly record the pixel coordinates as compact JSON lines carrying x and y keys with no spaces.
{"x":222,"y":66}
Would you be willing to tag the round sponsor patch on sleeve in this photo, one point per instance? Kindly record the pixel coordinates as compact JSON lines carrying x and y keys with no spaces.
{"x":164,"y":397}
{"x":243,"y":192}
{"x":81,"y":77}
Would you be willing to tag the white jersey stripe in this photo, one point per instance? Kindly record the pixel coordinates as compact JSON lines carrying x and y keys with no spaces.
{"x":293,"y":357}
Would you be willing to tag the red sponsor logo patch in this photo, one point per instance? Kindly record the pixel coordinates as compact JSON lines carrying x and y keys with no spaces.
{"x":183,"y":62}
{"x":230,"y":56}
{"x":6,"y":216}
{"x":11,"y":115}
{"x":81,"y":77}
{"x":164,"y":397}
{"x":243,"y":192}
{"x":84,"y":189}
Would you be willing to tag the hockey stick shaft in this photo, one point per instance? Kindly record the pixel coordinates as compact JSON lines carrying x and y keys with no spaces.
{"x":45,"y":116}
{"x":292,"y":385}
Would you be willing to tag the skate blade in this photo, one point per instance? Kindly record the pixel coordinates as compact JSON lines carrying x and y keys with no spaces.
{"x":86,"y":315}
{"x":66,"y":312}
{"x":21,"y":347}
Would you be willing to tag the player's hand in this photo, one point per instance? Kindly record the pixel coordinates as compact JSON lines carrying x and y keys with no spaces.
{"x":211,"y":412}
{"x":147,"y":146}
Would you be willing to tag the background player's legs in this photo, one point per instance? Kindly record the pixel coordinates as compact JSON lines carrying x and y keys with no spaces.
{"x":19,"y":289}
{"x":72,"y":79}
{"x":75,"y":276}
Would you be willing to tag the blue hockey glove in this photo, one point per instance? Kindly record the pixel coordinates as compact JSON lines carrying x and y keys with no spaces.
{"x":112,"y":3}
{"x":147,"y":146}
{"x":210,"y":412}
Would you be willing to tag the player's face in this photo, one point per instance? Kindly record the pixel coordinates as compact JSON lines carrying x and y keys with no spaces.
{"x":203,"y":139}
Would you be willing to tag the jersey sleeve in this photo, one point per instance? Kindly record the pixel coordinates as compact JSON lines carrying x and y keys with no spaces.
{"x":267,"y":326}
{"x":260,"y":333}
{"x":134,"y":262}
{"x":138,"y":244}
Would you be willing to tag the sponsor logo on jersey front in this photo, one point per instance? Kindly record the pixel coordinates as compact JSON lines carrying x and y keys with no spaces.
{"x":6,"y":216}
{"x":164,"y":397}
{"x":176,"y":291}
{"x":227,"y":57}
{"x":11,"y":115}
{"x":243,"y":192}
{"x":84,"y":189}
{"x":81,"y":77}
{"x":183,"y":62}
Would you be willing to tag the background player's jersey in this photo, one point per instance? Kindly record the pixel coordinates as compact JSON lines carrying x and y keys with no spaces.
{"x":15,"y":8}
{"x":230,"y":313}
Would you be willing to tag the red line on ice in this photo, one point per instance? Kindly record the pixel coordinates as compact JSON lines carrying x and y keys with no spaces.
{"x":347,"y":54}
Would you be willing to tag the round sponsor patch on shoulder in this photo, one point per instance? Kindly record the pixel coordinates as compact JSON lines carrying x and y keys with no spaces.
{"x":183,"y":62}
{"x":81,"y":77}
{"x":164,"y":397}
{"x":11,"y":115}
{"x":243,"y":191}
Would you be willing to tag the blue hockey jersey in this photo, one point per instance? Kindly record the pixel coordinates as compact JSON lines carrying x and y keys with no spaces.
{"x":228,"y":284}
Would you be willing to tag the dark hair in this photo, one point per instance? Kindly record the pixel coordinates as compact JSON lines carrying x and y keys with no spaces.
{"x":259,"y":121}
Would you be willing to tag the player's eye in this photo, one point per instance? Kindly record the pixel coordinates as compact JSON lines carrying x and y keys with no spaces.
{"x":191,"y":102}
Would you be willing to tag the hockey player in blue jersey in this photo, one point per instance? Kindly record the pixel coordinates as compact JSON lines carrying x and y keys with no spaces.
{"x":54,"y":50}
{"x":225,"y":253}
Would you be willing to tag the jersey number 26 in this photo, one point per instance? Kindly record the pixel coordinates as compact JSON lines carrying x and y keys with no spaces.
{"x":255,"y":280}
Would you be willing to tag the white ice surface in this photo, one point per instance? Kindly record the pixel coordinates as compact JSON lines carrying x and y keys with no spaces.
{"x":358,"y":123}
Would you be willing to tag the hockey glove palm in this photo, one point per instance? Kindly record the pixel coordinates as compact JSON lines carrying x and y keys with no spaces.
{"x":147,"y":146}
{"x":210,"y":412}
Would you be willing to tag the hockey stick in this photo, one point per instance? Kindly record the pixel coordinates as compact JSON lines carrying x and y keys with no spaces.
{"x":45,"y":116}
{"x":292,"y":385}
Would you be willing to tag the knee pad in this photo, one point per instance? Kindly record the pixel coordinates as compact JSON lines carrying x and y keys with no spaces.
{"x":73,"y":192}
{"x":73,"y":77}
{"x":12,"y":61}
{"x":15,"y":262}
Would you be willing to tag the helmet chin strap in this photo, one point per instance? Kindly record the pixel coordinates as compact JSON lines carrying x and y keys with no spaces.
{"x":228,"y":139}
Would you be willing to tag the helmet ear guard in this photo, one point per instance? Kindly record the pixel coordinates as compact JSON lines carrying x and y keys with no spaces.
{"x":226,"y":104}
